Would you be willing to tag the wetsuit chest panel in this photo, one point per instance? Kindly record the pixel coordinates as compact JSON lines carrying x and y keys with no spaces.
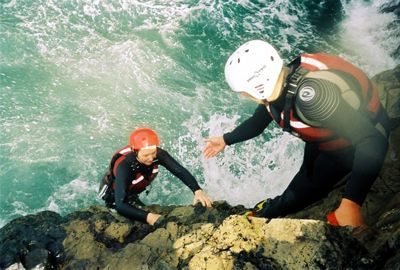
{"x":143,"y":176}
{"x":139,"y":175}
{"x":318,"y":96}
{"x":349,"y":90}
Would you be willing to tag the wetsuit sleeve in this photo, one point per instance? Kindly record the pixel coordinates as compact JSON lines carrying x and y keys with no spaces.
{"x":250,"y":128}
{"x":370,"y":144}
{"x":177,"y":169}
{"x":122,"y":180}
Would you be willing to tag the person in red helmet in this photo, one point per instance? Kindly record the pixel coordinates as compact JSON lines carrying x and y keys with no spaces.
{"x":327,"y":102}
{"x":134,"y":167}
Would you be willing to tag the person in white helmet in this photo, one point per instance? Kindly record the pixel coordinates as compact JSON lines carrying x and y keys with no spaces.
{"x":327,"y":102}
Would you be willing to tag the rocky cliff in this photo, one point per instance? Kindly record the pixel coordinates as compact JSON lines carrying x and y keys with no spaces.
{"x":220,"y":238}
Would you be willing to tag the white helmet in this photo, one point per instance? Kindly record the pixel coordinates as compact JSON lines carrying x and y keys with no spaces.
{"x":254,"y":68}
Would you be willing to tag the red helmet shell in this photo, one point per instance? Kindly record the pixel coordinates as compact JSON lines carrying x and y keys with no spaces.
{"x":143,"y":138}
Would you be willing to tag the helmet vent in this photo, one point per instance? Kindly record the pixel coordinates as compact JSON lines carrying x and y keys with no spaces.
{"x":272,"y":58}
{"x":260,"y":88}
{"x":247,"y":50}
{"x":238,"y":60}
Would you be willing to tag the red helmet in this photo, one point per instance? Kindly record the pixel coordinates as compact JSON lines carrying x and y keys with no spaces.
{"x":143,"y":137}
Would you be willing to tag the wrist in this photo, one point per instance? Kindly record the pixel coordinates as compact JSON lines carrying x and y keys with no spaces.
{"x":152,"y":218}
{"x":225,"y":140}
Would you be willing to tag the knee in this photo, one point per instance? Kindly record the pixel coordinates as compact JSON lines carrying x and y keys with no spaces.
{"x":282,"y":205}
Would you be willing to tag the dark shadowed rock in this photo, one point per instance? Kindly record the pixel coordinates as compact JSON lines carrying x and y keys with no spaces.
{"x":32,"y":240}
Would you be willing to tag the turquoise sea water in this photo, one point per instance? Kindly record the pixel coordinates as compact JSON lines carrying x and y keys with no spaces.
{"x":77,"y":76}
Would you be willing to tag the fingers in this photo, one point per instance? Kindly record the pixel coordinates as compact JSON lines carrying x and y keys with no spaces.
{"x":208,"y":203}
{"x":213,"y":147}
{"x":205,"y":201}
{"x":197,"y":200}
{"x":209,"y":152}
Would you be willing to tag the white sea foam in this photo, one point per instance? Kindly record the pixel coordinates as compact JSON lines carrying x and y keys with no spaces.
{"x":72,"y":195}
{"x":368,"y":37}
{"x":247,"y":172}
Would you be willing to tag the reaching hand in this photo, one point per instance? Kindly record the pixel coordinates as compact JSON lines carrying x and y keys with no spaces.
{"x":214,"y":146}
{"x":201,"y":197}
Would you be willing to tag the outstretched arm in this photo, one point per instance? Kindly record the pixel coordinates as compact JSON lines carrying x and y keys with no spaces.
{"x":250,"y":128}
{"x":185,"y":176}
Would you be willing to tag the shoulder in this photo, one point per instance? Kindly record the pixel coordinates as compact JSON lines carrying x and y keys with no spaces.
{"x":165,"y":159}
{"x":162,"y":154}
{"x":128,"y":161}
{"x":124,"y":164}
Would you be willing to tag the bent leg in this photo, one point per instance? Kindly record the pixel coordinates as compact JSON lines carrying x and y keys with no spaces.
{"x":315,"y":179}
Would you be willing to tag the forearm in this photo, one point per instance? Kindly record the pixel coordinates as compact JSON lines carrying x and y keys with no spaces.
{"x":250,"y":128}
{"x":187,"y":178}
{"x":131,"y":212}
{"x":120,"y":196}
{"x":179,"y":171}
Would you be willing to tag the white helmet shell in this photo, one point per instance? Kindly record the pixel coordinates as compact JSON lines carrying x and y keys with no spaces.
{"x":254,"y":68}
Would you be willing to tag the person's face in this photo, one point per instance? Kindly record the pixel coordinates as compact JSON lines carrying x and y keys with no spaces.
{"x":278,"y":87}
{"x":146,"y":156}
{"x":244,"y":94}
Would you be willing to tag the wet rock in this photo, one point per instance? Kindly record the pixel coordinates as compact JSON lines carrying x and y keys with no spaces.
{"x":281,"y":243}
{"x":32,"y":240}
{"x":235,"y":243}
{"x":16,"y":266}
{"x":118,"y":231}
{"x":37,"y":259}
{"x":388,"y":83}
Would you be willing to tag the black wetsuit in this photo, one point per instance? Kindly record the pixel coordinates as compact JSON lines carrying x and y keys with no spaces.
{"x":321,"y":170}
{"x":126,"y":172}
